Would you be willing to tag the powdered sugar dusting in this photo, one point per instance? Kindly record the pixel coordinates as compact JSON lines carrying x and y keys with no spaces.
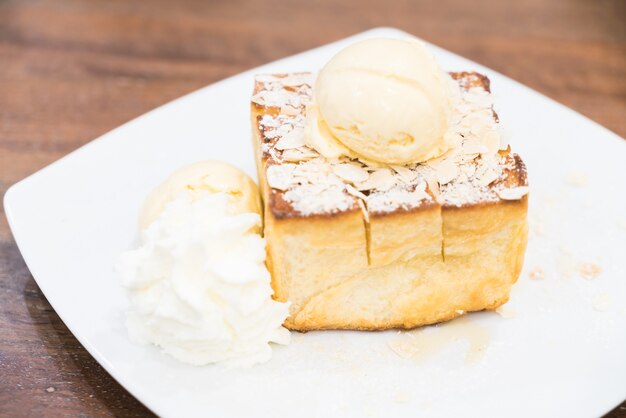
{"x":401,"y":196}
{"x":311,"y":199}
{"x":311,"y":187}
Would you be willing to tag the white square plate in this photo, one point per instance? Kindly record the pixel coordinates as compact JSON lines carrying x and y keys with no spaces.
{"x":557,"y":349}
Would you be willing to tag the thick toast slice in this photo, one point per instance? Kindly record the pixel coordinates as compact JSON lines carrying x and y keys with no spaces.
{"x":354,"y":245}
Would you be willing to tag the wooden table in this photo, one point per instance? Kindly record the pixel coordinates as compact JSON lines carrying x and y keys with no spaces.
{"x":71,"y":70}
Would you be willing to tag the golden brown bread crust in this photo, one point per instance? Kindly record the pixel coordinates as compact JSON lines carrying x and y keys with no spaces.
{"x":399,"y":269}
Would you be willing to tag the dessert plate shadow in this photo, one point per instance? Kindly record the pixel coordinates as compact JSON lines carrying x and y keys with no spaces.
{"x":556,"y":349}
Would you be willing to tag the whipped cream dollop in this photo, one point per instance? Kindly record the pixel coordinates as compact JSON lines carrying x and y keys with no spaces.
{"x":198,"y":285}
{"x":383,"y":100}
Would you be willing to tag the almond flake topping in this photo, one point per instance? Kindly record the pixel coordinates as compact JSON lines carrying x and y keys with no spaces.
{"x":280,"y":176}
{"x":298,"y":154}
{"x":380,"y":179}
{"x":513,"y":193}
{"x":291,"y":140}
{"x":468,"y":173}
{"x":351,"y":172}
{"x":405,"y":173}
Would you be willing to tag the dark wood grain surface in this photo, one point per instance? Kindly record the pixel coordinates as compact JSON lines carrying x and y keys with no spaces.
{"x":71,"y":70}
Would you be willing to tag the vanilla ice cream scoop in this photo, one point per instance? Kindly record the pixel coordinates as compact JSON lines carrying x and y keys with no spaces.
{"x":386,"y":100}
{"x":204,"y":176}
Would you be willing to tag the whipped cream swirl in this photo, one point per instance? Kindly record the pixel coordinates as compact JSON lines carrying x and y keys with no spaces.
{"x":198,"y":285}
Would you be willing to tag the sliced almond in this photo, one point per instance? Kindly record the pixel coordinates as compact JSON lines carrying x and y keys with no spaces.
{"x":268,"y":121}
{"x":298,"y":154}
{"x":447,"y":171}
{"x":260,"y":97}
{"x":276,"y":98}
{"x":468,"y":158}
{"x":433,"y":186}
{"x":289,"y":111}
{"x":404,"y":172}
{"x":505,"y":138}
{"x":473,"y":146}
{"x":370,"y":165}
{"x":293,"y":139}
{"x":491,"y":140}
{"x":295,"y":80}
{"x":283,"y":130}
{"x":420,"y":191}
{"x":478,"y":97}
{"x":513,"y":193}
{"x":354,"y":192}
{"x":434,"y":162}
{"x":315,"y":171}
{"x":382,"y":179}
{"x":480,"y":121}
{"x":468,"y":169}
{"x":295,"y":100}
{"x":351,"y":172}
{"x":453,"y":154}
{"x":281,"y":176}
{"x":453,"y":138}
{"x":488,"y":176}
